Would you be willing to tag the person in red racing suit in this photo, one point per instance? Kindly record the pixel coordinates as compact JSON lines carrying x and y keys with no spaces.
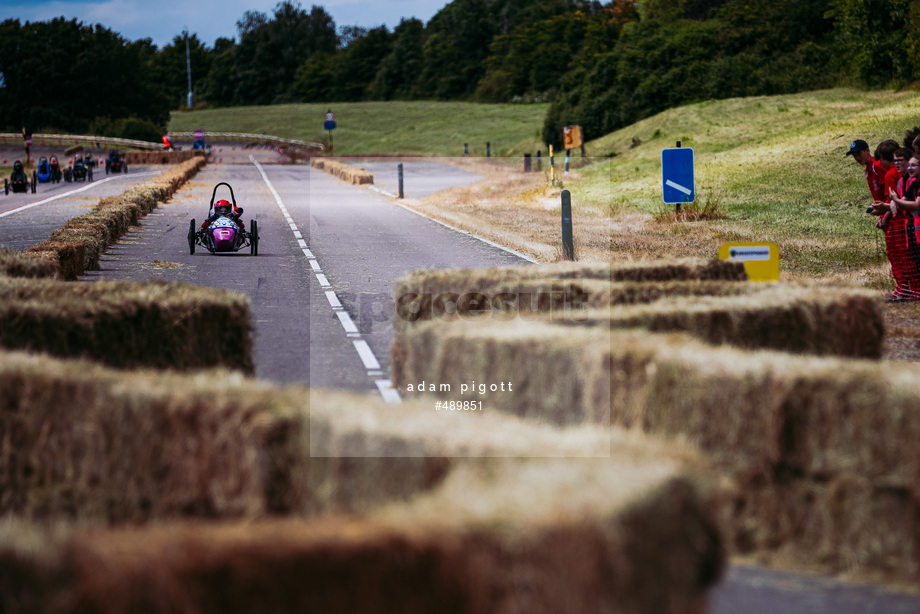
{"x":222,"y":208}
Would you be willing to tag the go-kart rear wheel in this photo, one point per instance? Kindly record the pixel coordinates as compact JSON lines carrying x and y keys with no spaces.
{"x":254,"y":237}
{"x":191,"y":236}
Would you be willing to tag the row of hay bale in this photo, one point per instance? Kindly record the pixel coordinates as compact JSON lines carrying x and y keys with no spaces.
{"x":351,"y":174}
{"x":127,"y":324}
{"x":459,"y":512}
{"x":822,"y":448}
{"x":161,"y":157}
{"x":77,"y":246}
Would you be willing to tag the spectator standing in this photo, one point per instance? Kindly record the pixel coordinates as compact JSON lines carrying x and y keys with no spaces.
{"x":875,"y":172}
{"x":901,"y":236}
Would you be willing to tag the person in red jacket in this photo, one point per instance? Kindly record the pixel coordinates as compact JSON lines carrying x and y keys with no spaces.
{"x":875,"y":172}
{"x":901,"y":236}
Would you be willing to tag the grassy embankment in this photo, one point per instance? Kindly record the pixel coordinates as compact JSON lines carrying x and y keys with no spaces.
{"x":770,"y":168}
{"x":385,"y":128}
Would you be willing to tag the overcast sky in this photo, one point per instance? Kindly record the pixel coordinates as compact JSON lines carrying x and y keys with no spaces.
{"x":161,"y":20}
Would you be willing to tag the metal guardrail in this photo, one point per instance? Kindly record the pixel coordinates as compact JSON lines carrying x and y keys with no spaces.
{"x":9,"y":138}
{"x":254,"y":138}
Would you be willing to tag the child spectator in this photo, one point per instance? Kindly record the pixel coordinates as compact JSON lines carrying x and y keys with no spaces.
{"x":875,"y":172}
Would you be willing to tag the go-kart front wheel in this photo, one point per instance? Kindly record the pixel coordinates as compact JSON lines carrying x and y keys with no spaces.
{"x":191,"y":236}
{"x":254,"y":237}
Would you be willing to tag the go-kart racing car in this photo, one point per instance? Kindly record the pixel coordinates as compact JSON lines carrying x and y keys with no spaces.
{"x":19,"y":180}
{"x":223,"y":232}
{"x":55,"y":169}
{"x":78,"y":170}
{"x":44,"y":170}
{"x":115,"y":163}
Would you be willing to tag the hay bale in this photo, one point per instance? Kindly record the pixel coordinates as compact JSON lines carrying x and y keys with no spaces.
{"x":760,"y":415}
{"x":559,"y":374}
{"x":635,"y":532}
{"x":431,"y":294}
{"x":39,"y":264}
{"x":801,"y":320}
{"x":847,"y":523}
{"x":462,"y":281}
{"x":101,"y":445}
{"x":127,"y":324}
{"x":351,"y":174}
{"x":753,"y":410}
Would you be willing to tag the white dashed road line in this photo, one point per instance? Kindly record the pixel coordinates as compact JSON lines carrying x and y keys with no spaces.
{"x":365,"y":353}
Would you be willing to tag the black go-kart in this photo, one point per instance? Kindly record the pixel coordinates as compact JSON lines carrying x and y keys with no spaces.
{"x":19,"y":181}
{"x":115,"y":163}
{"x":78,"y":171}
{"x":55,"y":168}
{"x":223,"y":233}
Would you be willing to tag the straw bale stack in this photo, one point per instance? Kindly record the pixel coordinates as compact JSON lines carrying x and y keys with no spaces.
{"x":127,"y":324}
{"x":35,"y":265}
{"x":802,"y":320}
{"x":791,"y":430}
{"x":558,"y":288}
{"x":634,"y":531}
{"x":351,"y":174}
{"x":461,"y":281}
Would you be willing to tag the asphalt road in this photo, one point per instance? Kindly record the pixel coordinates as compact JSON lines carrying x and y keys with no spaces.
{"x":358,"y":245}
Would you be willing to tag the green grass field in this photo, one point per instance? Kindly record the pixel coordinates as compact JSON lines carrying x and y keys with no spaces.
{"x":385,"y":128}
{"x":775,"y":166}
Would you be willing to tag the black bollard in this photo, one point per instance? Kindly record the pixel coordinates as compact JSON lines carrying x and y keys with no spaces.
{"x":527,"y":166}
{"x":539,"y":161}
{"x":568,"y":244}
{"x":399,"y":169}
{"x":488,"y":149}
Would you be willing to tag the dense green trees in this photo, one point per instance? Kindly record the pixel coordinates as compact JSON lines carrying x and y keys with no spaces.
{"x":61,"y":74}
{"x":603,"y":64}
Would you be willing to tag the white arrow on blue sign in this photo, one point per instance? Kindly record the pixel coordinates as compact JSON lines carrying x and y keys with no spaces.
{"x":677,"y":184}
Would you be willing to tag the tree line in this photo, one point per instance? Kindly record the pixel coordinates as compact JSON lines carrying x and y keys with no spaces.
{"x":602,"y":65}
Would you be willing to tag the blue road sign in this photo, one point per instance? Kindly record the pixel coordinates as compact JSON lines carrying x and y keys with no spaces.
{"x":329,"y":125}
{"x":677,"y":175}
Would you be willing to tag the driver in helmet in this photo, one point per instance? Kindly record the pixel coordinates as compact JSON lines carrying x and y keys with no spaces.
{"x":224,"y":208}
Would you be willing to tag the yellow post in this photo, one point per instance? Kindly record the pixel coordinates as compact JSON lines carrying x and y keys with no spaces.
{"x":552,"y":167}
